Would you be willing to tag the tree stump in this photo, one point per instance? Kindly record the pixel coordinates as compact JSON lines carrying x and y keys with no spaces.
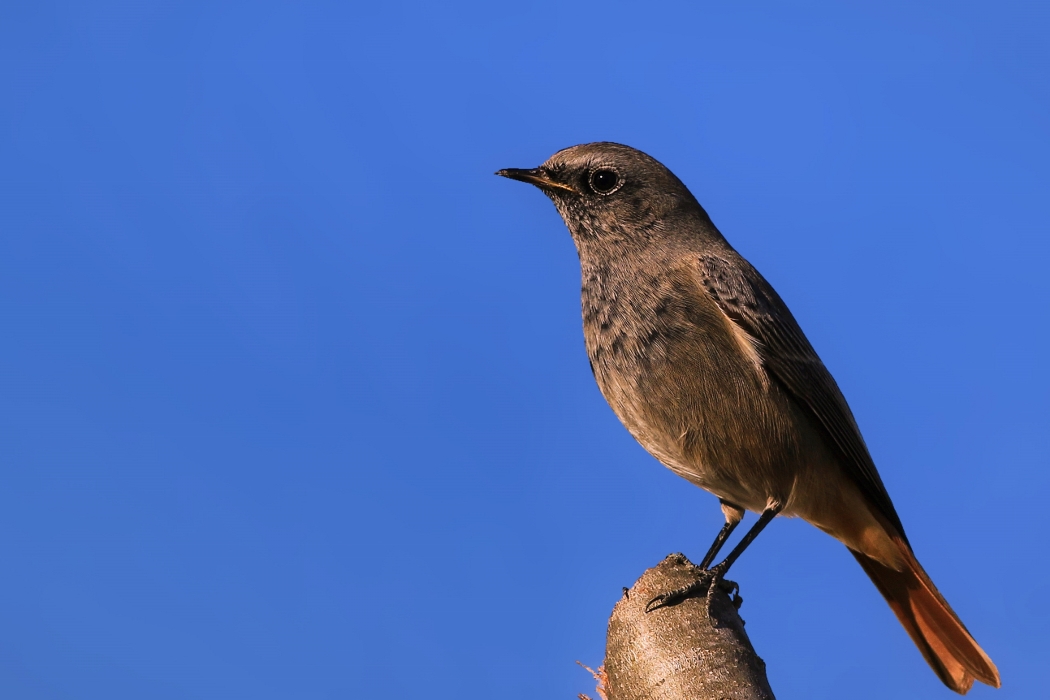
{"x":694,"y":650}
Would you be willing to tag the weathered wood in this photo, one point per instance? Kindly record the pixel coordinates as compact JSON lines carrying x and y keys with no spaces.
{"x":695,"y":650}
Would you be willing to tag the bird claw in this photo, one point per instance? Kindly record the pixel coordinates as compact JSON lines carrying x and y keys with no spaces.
{"x":677,"y":596}
{"x":708,"y":580}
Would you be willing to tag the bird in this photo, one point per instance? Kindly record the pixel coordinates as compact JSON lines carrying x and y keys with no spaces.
{"x":706,"y":367}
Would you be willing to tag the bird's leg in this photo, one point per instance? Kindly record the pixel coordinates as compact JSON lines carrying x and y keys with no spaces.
{"x":734,"y":514}
{"x":772,"y":510}
{"x":712,"y":576}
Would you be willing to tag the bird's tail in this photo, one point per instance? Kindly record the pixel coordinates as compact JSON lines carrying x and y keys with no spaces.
{"x":931,"y":623}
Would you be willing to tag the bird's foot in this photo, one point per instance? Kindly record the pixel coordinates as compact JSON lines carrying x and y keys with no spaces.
{"x":707,"y":582}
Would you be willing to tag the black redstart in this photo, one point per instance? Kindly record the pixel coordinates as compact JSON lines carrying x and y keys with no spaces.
{"x":708,"y":370}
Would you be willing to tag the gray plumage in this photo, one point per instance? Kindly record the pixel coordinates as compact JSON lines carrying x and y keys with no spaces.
{"x":706,"y":367}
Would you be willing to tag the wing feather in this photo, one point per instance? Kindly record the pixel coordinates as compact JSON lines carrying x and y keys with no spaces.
{"x":750,"y":302}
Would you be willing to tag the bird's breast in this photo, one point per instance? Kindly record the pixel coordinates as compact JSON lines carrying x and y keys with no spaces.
{"x":673,"y":369}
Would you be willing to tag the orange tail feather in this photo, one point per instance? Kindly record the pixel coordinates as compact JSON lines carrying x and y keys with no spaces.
{"x":931,"y":623}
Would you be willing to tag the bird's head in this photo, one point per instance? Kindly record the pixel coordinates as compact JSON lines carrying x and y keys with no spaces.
{"x":608,"y":191}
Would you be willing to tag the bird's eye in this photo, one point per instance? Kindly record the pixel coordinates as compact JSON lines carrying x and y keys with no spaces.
{"x":604,"y":181}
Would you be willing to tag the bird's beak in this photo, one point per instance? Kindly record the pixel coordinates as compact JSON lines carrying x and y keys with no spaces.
{"x":534,"y":177}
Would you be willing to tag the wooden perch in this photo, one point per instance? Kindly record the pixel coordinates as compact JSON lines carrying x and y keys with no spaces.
{"x":695,"y":650}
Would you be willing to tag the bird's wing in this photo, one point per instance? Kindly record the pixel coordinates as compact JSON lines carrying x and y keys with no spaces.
{"x":750,"y":302}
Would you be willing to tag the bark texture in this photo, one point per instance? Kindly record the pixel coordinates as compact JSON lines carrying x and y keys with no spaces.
{"x":695,"y":650}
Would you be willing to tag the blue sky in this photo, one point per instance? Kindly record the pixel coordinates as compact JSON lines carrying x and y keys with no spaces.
{"x":293,"y":395}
